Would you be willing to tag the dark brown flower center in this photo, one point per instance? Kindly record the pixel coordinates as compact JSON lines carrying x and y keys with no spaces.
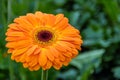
{"x":44,"y":35}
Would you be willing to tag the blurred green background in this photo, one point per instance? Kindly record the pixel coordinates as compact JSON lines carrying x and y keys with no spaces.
{"x":99,"y":24}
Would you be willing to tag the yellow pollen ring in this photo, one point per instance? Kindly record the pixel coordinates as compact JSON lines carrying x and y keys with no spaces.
{"x":37,"y":41}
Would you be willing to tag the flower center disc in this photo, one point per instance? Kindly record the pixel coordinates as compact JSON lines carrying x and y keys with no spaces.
{"x":44,"y":35}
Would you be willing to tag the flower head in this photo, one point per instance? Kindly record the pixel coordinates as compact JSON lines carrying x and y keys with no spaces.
{"x":42,"y":41}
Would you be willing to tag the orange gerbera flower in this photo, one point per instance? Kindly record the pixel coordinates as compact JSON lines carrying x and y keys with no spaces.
{"x":42,"y":40}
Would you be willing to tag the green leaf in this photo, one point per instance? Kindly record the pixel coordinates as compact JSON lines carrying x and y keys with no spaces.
{"x":111,"y":7}
{"x":116,"y":72}
{"x":87,"y":61}
{"x":87,"y":73}
{"x":68,"y":75}
{"x":88,"y":58}
{"x":60,"y":2}
{"x":74,"y":16}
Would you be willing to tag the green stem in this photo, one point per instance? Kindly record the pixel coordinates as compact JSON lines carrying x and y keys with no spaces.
{"x":9,"y":11}
{"x":44,"y":74}
{"x":11,"y":70}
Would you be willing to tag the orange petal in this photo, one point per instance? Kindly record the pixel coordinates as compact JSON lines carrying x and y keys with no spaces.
{"x":67,"y":54}
{"x":18,"y":44}
{"x":59,"y":18}
{"x":50,"y":19}
{"x":63,"y":45}
{"x":25,"y":65}
{"x":39,"y":16}
{"x":12,"y":30}
{"x":13,"y":26}
{"x":69,"y":44}
{"x":15,"y":33}
{"x":66,"y":62}
{"x":62,"y":57}
{"x":57,"y":67}
{"x":66,"y":38}
{"x":16,"y":58}
{"x":31,"y":18}
{"x":17,"y":52}
{"x":36,"y":67}
{"x":31,"y":50}
{"x":21,"y":25}
{"x":69,"y":34}
{"x":42,"y":58}
{"x":15,"y":38}
{"x":57,"y":62}
{"x":28,"y":58}
{"x":48,"y":65}
{"x":37,"y":51}
{"x":61,"y":25}
{"x":34,"y":60}
{"x":31,"y":68}
{"x":10,"y":50}
{"x":54,"y":52}
{"x":12,"y":57}
{"x":76,"y":41}
{"x":22,"y":57}
{"x":70,"y":29}
{"x":50,"y":55}
{"x":59,"y":47}
{"x":25,"y":22}
{"x":74,"y":52}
